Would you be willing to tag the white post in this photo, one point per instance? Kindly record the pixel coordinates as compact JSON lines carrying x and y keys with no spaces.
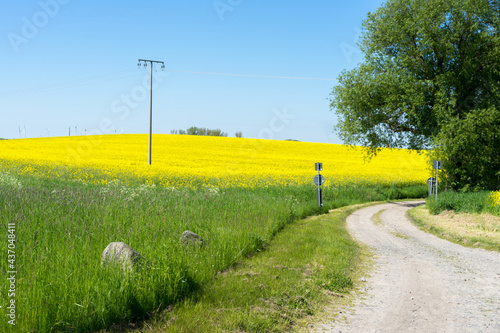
{"x":437,"y":173}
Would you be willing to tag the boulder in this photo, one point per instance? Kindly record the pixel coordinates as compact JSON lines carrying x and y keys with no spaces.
{"x":121,"y":253}
{"x":189,"y":238}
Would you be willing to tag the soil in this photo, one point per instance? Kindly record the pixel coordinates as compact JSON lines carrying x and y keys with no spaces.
{"x":419,"y":283}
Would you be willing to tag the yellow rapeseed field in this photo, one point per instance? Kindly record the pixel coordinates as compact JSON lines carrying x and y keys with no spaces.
{"x":181,"y":160}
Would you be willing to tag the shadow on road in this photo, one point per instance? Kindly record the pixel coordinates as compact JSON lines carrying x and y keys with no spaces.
{"x":411,"y":204}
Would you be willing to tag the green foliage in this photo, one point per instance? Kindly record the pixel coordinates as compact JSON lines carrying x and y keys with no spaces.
{"x":477,"y":231}
{"x":429,"y":66}
{"x":463,"y":202}
{"x":337,"y":282}
{"x":472,"y":149}
{"x":277,"y":289}
{"x":64,"y":226}
{"x":193,"y":130}
{"x":7,"y":179}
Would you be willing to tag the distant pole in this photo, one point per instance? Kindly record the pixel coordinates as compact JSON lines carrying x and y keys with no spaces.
{"x":150,"y":98}
{"x":150,"y":111}
{"x":437,"y":173}
{"x":437,"y":165}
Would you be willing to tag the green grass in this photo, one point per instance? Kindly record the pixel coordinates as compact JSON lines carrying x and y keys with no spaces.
{"x":471,"y":230}
{"x":283,"y":287}
{"x":62,"y":227}
{"x":377,"y":218}
{"x":465,"y":202}
{"x":475,"y":231}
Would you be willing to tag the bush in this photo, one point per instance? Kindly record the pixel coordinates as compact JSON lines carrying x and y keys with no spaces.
{"x":465,"y":202}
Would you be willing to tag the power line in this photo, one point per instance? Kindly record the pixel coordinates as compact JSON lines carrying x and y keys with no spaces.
{"x":132,"y":73}
{"x":252,"y":75}
{"x":71,"y":83}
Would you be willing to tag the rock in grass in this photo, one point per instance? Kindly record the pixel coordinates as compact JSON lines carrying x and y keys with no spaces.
{"x":189,"y":238}
{"x":121,"y":253}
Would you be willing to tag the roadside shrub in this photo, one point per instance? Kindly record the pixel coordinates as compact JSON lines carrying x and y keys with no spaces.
{"x":465,"y":202}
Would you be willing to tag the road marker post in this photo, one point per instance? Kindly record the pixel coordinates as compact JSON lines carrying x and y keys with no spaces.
{"x":437,"y":165}
{"x":319,"y":180}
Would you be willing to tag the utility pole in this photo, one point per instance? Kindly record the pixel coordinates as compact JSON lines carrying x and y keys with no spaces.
{"x":150,"y":97}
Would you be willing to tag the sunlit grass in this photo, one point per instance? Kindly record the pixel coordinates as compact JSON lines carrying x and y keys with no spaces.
{"x":466,"y":202}
{"x":468,"y":229}
{"x":284,"y":286}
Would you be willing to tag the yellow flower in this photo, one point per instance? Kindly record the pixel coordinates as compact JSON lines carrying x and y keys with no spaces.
{"x":495,"y":197}
{"x":183,"y":160}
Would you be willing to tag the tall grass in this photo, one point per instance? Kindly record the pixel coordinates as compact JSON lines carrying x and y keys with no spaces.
{"x":278,"y":289}
{"x":62,"y":228}
{"x":465,"y":202}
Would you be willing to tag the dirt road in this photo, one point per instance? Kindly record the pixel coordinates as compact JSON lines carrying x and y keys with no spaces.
{"x":419,"y":283}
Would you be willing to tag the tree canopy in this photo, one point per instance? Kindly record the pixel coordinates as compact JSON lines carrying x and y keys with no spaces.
{"x":430,"y":76}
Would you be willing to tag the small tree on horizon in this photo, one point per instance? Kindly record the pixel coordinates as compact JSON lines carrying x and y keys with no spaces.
{"x":193,"y":130}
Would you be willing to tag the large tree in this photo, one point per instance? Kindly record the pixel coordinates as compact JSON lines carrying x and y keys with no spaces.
{"x":431,"y":72}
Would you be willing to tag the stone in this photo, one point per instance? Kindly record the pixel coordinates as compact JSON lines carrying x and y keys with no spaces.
{"x":189,"y":238}
{"x":120,"y":253}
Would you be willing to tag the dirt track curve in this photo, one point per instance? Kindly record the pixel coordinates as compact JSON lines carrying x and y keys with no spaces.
{"x":419,"y":283}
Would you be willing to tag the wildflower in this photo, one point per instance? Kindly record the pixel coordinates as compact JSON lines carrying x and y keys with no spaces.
{"x":495,"y":198}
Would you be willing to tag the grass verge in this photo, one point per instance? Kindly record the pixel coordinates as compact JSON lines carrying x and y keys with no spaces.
{"x":465,"y":202}
{"x":310,"y":263}
{"x":473,"y":230}
{"x":61,"y":228}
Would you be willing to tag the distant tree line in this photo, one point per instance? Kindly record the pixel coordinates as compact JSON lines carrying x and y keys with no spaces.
{"x":193,"y":130}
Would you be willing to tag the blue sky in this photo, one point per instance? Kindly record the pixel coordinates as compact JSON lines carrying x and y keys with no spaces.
{"x":73,"y":64}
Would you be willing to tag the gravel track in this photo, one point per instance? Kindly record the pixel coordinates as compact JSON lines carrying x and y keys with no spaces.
{"x":420,"y":283}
